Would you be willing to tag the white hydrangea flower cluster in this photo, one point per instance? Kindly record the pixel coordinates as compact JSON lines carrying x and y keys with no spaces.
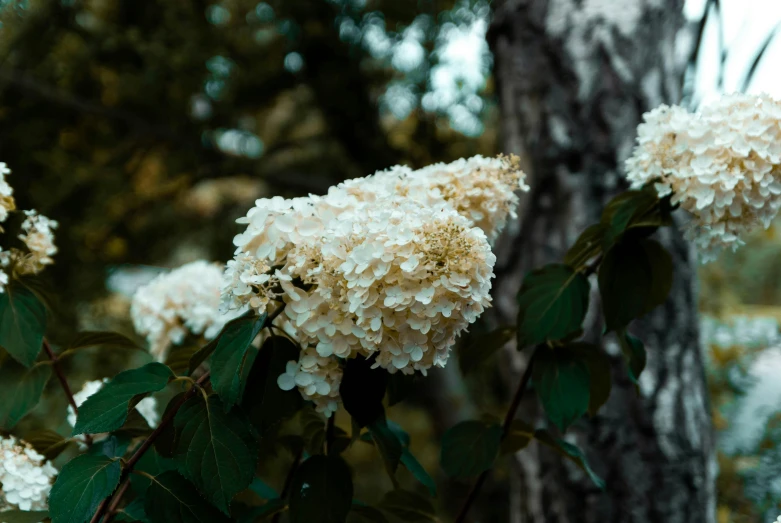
{"x":723,"y":165}
{"x":147,"y":407}
{"x":483,"y":190}
{"x":391,"y":267}
{"x":25,"y":477}
{"x":37,"y":234}
{"x":182,"y":300}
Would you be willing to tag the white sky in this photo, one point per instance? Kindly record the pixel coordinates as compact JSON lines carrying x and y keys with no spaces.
{"x":746,"y":24}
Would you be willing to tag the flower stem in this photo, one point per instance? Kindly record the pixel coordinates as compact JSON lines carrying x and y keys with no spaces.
{"x":114,"y":500}
{"x":508,"y":419}
{"x":64,"y":382}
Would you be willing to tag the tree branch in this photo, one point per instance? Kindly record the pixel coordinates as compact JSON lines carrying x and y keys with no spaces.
{"x":64,"y":382}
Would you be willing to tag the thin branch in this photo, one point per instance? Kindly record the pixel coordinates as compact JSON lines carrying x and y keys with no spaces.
{"x":508,"y":419}
{"x":114,"y":500}
{"x":64,"y":382}
{"x":112,"y":508}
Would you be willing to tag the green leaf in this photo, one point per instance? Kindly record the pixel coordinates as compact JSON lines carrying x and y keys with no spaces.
{"x":107,"y":409}
{"x":172,"y":499}
{"x":408,"y":507}
{"x":400,"y":386}
{"x":587,"y":246}
{"x":634,"y":354}
{"x":262,"y":489}
{"x":203,"y":354}
{"x":153,"y":464}
{"x":179,"y":356}
{"x":20,"y":516}
{"x":322,"y":491}
{"x":20,"y":389}
{"x":232,"y":356}
{"x":22,"y":324}
{"x":640,"y":209}
{"x":470,"y":448}
{"x":135,"y":425}
{"x":571,"y":452}
{"x":411,"y":463}
{"x":561,"y":380}
{"x":551,"y":305}
{"x":272,"y":507}
{"x":364,"y":514}
{"x":635,"y":277}
{"x":216,"y":450}
{"x":313,"y":430}
{"x":133,"y":512}
{"x":362,"y":390}
{"x":600,"y":377}
{"x":165,"y":443}
{"x":388,"y":444}
{"x":114,"y":446}
{"x":83,"y":483}
{"x":483,"y":347}
{"x":112,"y":340}
{"x":47,"y":442}
{"x":518,"y":437}
{"x":265,"y":403}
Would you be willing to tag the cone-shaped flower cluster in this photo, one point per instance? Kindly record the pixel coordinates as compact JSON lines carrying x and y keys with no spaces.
{"x":392,"y":267}
{"x":184,"y":300}
{"x":722,"y":164}
{"x":25,"y":477}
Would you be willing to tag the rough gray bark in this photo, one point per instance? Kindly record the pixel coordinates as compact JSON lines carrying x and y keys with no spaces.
{"x":574,"y":78}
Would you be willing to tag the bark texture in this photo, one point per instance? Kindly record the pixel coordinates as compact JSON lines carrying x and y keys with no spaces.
{"x":574,"y":78}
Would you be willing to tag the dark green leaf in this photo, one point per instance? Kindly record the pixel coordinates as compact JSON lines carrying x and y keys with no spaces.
{"x":587,"y":246}
{"x":81,"y":486}
{"x":364,"y":514}
{"x":322,"y":491}
{"x":408,"y":507}
{"x":634,"y":354}
{"x":399,"y":387}
{"x":107,"y":409}
{"x":272,"y":507}
{"x":22,"y":324}
{"x":47,"y":442}
{"x":600,"y":378}
{"x":179,"y":356}
{"x":265,"y":403}
{"x":411,"y":463}
{"x":518,"y":437}
{"x":135,"y":425}
{"x":551,"y":305}
{"x":153,"y":464}
{"x":20,"y":516}
{"x":20,"y":390}
{"x":112,"y":340}
{"x":562,"y":383}
{"x":362,"y":390}
{"x":634,"y":278}
{"x":165,"y":443}
{"x":172,"y":499}
{"x":631,"y":209}
{"x":133,"y":512}
{"x":470,"y":448}
{"x":569,"y":451}
{"x":217,"y":451}
{"x":483,"y":347}
{"x":233,"y":356}
{"x":388,"y":444}
{"x":313,"y":430}
{"x":114,"y":446}
{"x":203,"y":354}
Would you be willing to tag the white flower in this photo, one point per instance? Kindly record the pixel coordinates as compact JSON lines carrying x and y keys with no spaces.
{"x":38,"y":236}
{"x":371,"y":270}
{"x":184,"y":300}
{"x":7,"y":203}
{"x":723,"y":165}
{"x":147,"y":407}
{"x":25,"y":477}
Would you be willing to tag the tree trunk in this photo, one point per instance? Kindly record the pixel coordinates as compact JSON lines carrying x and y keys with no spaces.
{"x":574,"y":78}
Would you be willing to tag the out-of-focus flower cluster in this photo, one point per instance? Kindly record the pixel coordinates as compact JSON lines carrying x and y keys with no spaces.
{"x":25,"y":477}
{"x":743,"y":331}
{"x":391,"y":267}
{"x":183,"y":300}
{"x":723,"y":165}
{"x":37,"y":235}
{"x":147,"y":407}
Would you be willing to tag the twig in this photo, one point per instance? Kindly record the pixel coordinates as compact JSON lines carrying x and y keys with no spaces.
{"x":289,"y":481}
{"x":114,"y":500}
{"x":112,"y":508}
{"x":64,"y":382}
{"x":508,"y":419}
